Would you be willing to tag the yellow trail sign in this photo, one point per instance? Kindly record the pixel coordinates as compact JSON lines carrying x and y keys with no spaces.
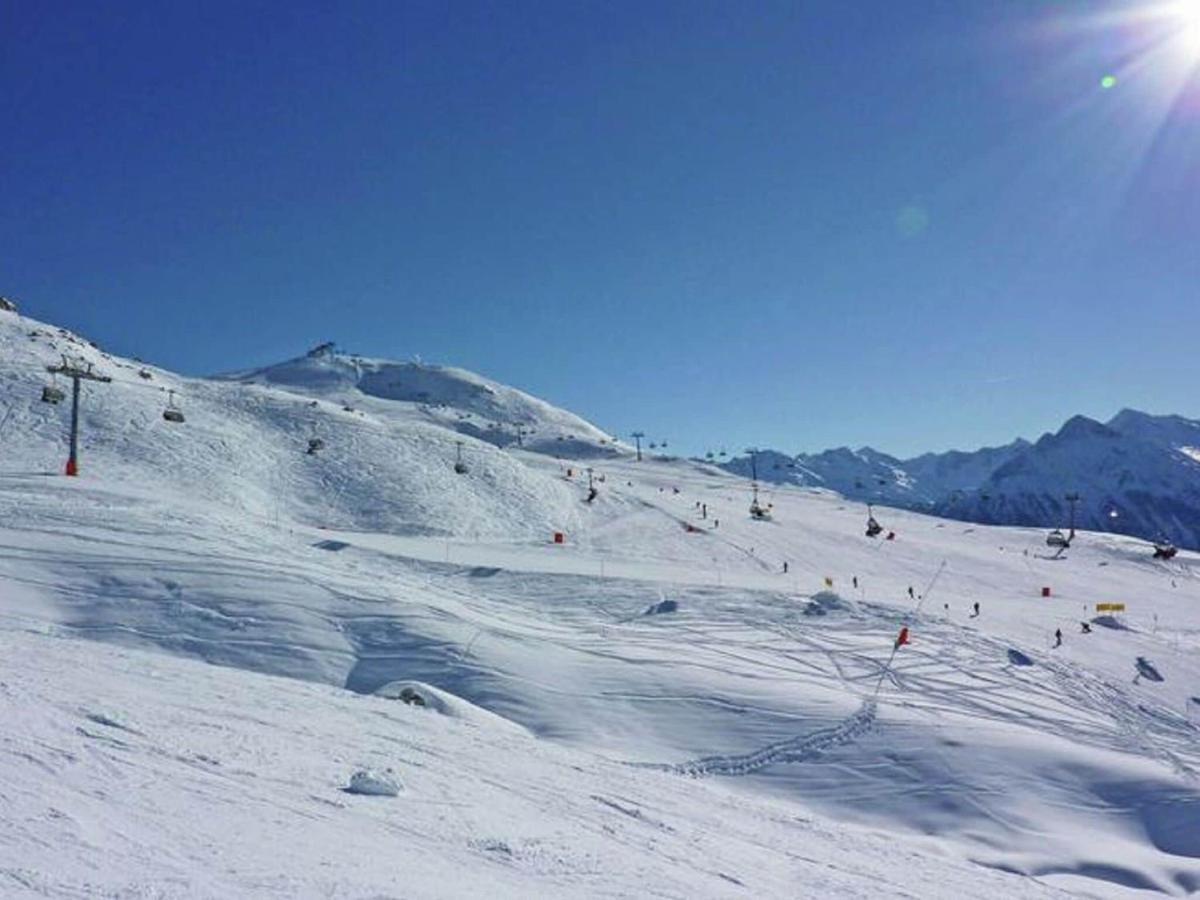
{"x":1110,"y":607}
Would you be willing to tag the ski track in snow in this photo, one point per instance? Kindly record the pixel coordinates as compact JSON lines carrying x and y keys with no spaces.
{"x":797,"y":749}
{"x":205,"y":541}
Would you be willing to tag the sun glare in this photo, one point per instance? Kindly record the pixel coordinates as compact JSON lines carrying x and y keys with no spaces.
{"x":1187,"y":13}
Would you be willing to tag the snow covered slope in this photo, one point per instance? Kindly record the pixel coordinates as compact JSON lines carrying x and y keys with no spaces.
{"x":385,"y":464}
{"x":456,"y":398}
{"x":758,"y":735}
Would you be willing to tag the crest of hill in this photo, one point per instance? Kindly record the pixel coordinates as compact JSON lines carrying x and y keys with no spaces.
{"x":456,"y":398}
{"x":385,"y":464}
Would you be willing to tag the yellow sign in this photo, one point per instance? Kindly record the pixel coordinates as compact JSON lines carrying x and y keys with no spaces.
{"x":1110,"y":607}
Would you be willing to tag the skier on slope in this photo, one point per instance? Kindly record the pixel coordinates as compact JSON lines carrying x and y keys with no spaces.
{"x":1057,"y":637}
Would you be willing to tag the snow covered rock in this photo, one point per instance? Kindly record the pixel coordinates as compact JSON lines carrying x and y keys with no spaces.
{"x":374,"y":784}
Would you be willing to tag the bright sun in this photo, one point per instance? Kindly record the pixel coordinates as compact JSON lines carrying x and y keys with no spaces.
{"x":1187,"y":12}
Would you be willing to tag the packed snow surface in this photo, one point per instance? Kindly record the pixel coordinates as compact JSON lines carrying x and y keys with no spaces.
{"x":761,"y":735}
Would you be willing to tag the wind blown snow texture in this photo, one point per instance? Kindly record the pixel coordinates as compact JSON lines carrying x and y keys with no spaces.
{"x":744,"y":741}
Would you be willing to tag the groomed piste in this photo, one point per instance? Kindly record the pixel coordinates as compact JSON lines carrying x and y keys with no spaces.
{"x":652,"y":704}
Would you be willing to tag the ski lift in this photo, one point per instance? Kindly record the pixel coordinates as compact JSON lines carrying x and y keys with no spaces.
{"x":874,"y":529}
{"x":1057,"y":539}
{"x":172,"y":413}
{"x":53,"y":394}
{"x":459,"y":466}
{"x":757,"y":510}
{"x":1164,"y":550}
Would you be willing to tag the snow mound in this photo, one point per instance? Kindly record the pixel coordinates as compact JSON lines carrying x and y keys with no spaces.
{"x":1110,"y":622}
{"x":823,"y":603}
{"x":374,"y":784}
{"x":426,"y":696}
{"x":1147,"y":670}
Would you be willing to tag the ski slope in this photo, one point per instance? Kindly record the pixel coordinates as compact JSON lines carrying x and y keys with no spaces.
{"x":763,"y":739}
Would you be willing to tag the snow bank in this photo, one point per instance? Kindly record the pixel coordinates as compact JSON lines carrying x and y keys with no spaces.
{"x":426,"y":696}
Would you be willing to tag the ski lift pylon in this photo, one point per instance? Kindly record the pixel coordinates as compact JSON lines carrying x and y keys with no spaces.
{"x":459,"y":466}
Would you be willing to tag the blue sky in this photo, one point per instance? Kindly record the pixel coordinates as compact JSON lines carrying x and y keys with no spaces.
{"x":910,"y":225}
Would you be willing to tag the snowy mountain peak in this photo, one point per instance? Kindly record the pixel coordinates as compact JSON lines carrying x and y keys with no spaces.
{"x":1144,"y":467}
{"x":459,"y":399}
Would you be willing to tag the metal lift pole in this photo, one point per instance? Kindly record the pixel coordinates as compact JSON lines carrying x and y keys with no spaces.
{"x":76,"y":373}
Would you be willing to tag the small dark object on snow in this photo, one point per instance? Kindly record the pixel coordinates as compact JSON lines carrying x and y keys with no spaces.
{"x":411,"y":697}
{"x":663,"y":606}
{"x":1085,"y":628}
{"x":331,"y":546}
{"x":1145,"y":669}
{"x":1017,"y":658}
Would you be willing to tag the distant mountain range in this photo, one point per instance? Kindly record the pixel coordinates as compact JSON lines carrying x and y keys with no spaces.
{"x":1136,"y":474}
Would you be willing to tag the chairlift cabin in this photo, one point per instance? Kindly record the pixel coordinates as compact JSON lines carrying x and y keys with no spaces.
{"x":459,"y":466}
{"x":172,"y":413}
{"x":1057,"y":539}
{"x":757,"y":510}
{"x":874,"y":529}
{"x":52,"y":393}
{"x":1164,"y":550}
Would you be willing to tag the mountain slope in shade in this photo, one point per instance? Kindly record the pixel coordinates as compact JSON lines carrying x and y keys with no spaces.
{"x":1133,"y":475}
{"x":1138,"y":474}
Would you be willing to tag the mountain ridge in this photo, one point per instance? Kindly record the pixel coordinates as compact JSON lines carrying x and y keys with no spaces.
{"x":1136,"y":474}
